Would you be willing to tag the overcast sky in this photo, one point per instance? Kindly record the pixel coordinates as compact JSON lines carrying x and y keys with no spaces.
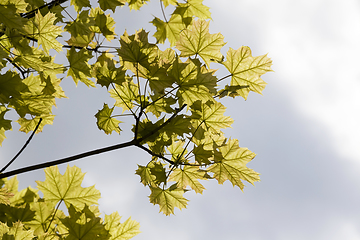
{"x":304,"y":130}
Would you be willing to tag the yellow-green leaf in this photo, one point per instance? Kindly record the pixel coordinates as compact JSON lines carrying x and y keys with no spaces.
{"x":79,"y":67}
{"x":246,"y":70}
{"x":168,"y":199}
{"x":121,"y":231}
{"x":188,"y":176}
{"x":230,"y":164}
{"x":198,"y":41}
{"x":106,"y":122}
{"x":67,"y":188}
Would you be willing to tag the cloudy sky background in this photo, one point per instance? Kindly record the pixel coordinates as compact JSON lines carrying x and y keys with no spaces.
{"x":304,"y":129}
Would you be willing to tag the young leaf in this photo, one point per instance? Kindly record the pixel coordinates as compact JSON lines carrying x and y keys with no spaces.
{"x":105,"y":122}
{"x":246,"y":70}
{"x":110,"y":4}
{"x":120,"y":231}
{"x":103,"y":23}
{"x":79,"y":67}
{"x":231,"y":163}
{"x":79,"y":4}
{"x":125,"y":94}
{"x":5,"y":124}
{"x":67,"y":188}
{"x":28,"y":125}
{"x":198,"y":41}
{"x":152,"y":174}
{"x":45,"y":31}
{"x":16,"y":232}
{"x":168,"y":30}
{"x":188,"y":176}
{"x":168,"y":199}
{"x":211,"y":115}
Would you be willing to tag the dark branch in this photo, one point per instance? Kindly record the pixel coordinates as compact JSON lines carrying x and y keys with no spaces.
{"x":49,"y":5}
{"x":23,"y":148}
{"x":67,"y":159}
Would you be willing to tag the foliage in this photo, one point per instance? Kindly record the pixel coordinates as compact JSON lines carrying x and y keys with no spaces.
{"x":172,"y":95}
{"x":25,"y":215}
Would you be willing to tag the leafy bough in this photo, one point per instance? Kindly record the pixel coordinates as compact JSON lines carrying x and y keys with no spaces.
{"x":173,"y":95}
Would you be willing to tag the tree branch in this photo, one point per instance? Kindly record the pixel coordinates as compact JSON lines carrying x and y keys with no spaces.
{"x":49,"y":5}
{"x":67,"y":159}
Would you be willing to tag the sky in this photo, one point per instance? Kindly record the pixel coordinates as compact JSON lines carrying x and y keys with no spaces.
{"x":303,"y":130}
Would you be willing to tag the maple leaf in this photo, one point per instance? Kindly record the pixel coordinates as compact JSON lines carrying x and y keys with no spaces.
{"x":103,"y":23}
{"x":15,"y":232}
{"x":168,"y":199}
{"x":45,"y":31}
{"x":10,"y":18}
{"x":110,"y":4}
{"x":160,"y":105}
{"x":105,"y":71}
{"x":168,"y":2}
{"x":188,"y":176}
{"x":84,"y":225}
{"x":211,"y":115}
{"x":43,"y":217}
{"x":230,"y":164}
{"x":246,"y":70}
{"x":79,"y":4}
{"x":152,"y":174}
{"x":136,"y":4}
{"x":79,"y":68}
{"x":67,"y":188}
{"x":192,"y":8}
{"x":136,"y":49}
{"x":125,"y":94}
{"x":5,"y":124}
{"x":105,"y":122}
{"x":198,"y":41}
{"x":195,"y":82}
{"x":168,"y":30}
{"x":5,"y":196}
{"x":28,"y":125}
{"x":120,"y":231}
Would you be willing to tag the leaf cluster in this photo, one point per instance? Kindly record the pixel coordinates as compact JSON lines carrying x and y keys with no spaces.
{"x":173,"y":96}
{"x":25,"y":215}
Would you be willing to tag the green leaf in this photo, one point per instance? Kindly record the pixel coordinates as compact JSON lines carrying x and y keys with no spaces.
{"x":84,"y":225}
{"x":43,"y":29}
{"x":198,"y":41}
{"x":136,"y":49}
{"x":10,"y":18}
{"x":157,"y":107}
{"x":110,"y":4}
{"x":106,"y":73}
{"x":168,"y":30}
{"x":67,"y":188}
{"x":211,"y":116}
{"x":79,"y":67}
{"x":12,"y":185}
{"x":152,"y":174}
{"x":79,"y":4}
{"x":188,"y":176}
{"x":125,"y":94}
{"x":120,"y":231}
{"x":167,"y":2}
{"x":246,"y":70}
{"x":231,"y":163}
{"x":105,"y":122}
{"x":103,"y":23}
{"x":43,"y":217}
{"x":192,"y":8}
{"x":136,"y":4}
{"x":5,"y":196}
{"x":168,"y":199}
{"x":28,"y":125}
{"x":16,"y":232}
{"x":5,"y":124}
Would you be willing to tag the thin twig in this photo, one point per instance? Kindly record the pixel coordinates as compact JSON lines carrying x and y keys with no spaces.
{"x":23,"y":148}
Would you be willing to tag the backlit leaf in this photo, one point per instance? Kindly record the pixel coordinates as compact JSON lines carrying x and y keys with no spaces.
{"x":120,"y":231}
{"x":198,"y":41}
{"x":168,"y":199}
{"x":106,"y":122}
{"x":246,"y":70}
{"x":67,"y":188}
